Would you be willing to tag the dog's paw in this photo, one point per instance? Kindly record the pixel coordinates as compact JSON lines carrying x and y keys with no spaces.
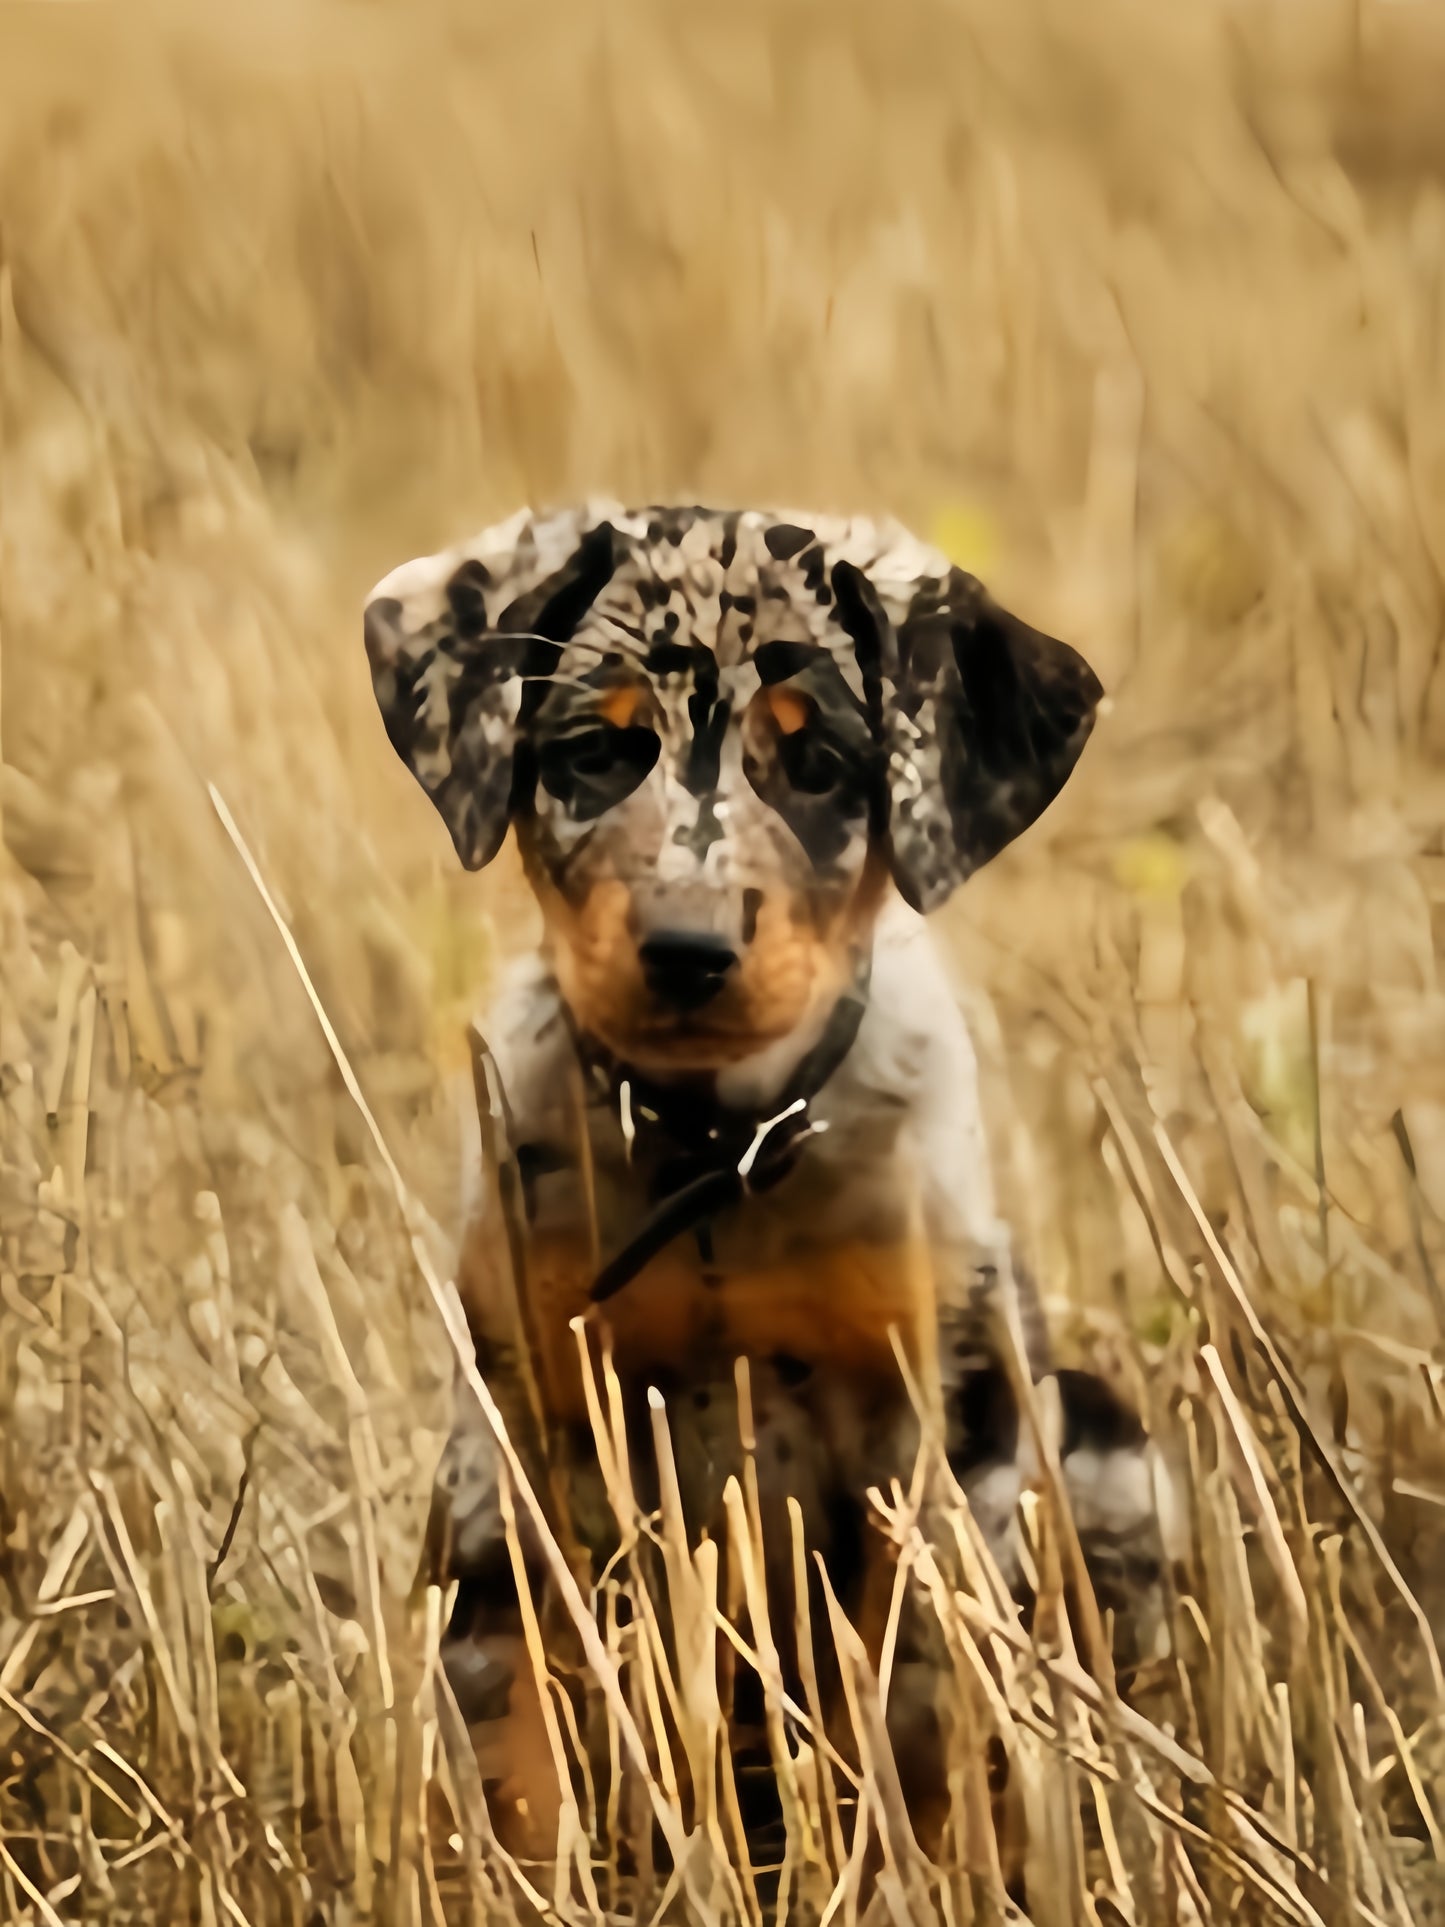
{"x":1106,"y":1462}
{"x":496,"y":1688}
{"x":982,"y":1435}
{"x":1109,"y":1476}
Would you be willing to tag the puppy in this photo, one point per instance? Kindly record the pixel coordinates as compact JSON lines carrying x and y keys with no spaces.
{"x":743,"y":755}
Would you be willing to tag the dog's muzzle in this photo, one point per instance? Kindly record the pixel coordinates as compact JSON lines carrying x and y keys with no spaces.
{"x":686,"y":968}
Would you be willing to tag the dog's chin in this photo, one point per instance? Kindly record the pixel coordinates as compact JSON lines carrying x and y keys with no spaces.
{"x":677,"y":1047}
{"x":748,"y":1066}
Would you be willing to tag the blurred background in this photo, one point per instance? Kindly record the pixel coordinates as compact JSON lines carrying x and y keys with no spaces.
{"x":1137,"y":312}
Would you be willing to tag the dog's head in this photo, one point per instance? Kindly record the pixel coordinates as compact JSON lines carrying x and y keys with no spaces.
{"x":718,"y":736}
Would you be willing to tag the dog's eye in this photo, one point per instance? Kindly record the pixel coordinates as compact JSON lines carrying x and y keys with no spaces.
{"x":592,"y":752}
{"x":594,"y":767}
{"x":810,"y":762}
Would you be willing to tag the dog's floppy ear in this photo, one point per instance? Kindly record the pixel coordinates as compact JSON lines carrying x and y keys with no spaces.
{"x":983,"y":722}
{"x":451,"y":676}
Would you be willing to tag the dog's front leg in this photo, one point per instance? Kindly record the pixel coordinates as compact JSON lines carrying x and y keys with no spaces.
{"x":484,"y":1652}
{"x":1106,"y":1463}
{"x":994,"y":1345}
{"x":504,"y":1613}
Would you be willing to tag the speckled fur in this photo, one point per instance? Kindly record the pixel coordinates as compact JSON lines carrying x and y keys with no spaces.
{"x":978,"y":718}
{"x":950,"y":726}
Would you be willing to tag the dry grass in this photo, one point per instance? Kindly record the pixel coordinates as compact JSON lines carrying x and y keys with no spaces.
{"x":1139,"y":310}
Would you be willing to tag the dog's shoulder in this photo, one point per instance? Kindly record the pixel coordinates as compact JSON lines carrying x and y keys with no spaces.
{"x":912,"y":1014}
{"x":526,"y":1030}
{"x":523,"y":1029}
{"x":914,"y":1060}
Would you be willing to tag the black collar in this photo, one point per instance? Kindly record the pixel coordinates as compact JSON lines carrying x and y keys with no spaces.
{"x":704,"y":1157}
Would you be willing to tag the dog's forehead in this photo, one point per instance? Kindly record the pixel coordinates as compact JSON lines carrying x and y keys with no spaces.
{"x":701,"y":597}
{"x":690,"y":588}
{"x":731,"y":583}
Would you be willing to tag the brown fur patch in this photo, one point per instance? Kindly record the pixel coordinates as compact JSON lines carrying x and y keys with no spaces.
{"x":515,"y":1761}
{"x":620,"y":704}
{"x":784,"y":974}
{"x":831,"y":1307}
{"x":790,"y":710}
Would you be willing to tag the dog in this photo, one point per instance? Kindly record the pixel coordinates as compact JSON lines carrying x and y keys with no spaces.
{"x":744,"y":755}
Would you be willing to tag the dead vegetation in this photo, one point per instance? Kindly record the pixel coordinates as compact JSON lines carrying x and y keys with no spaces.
{"x":1139,"y":311}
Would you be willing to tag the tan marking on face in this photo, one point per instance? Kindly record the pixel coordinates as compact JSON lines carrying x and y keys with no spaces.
{"x":793,"y":966}
{"x":790,"y":710}
{"x":594,"y":953}
{"x":787,"y":965}
{"x":781,"y":975}
{"x":620,"y":705}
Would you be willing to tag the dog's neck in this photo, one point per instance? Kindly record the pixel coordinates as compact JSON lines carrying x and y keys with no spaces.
{"x":692,"y":1106}
{"x":700,"y":1155}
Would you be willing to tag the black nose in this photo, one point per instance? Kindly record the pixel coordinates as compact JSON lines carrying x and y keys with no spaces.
{"x":685,"y":968}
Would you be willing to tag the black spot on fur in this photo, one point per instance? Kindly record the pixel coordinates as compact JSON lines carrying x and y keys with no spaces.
{"x":466,"y":598}
{"x":555,"y":608}
{"x":667,"y":658}
{"x":708,"y":714}
{"x":777,"y":661}
{"x":791,"y":1371}
{"x":704,"y":832}
{"x":983,"y":1420}
{"x":865,"y":624}
{"x":1095,"y":1415}
{"x":786,"y":539}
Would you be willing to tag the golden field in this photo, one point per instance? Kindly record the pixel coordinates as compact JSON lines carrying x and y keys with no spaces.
{"x":1140,"y":312}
